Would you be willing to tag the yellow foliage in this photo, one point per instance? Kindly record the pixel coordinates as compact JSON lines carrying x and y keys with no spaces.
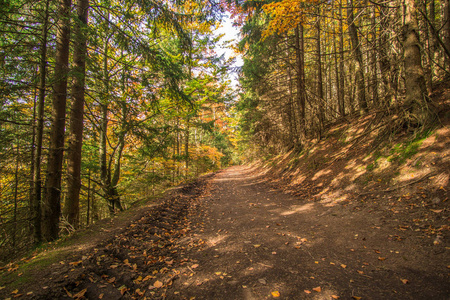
{"x":286,"y":15}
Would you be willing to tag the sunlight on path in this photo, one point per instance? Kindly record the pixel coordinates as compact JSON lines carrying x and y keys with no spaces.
{"x":259,"y":241}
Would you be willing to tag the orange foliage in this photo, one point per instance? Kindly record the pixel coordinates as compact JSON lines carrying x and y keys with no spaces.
{"x":286,"y":15}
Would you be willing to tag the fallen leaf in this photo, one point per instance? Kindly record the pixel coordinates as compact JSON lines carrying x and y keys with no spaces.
{"x":405,"y":281}
{"x":80,"y":294}
{"x":111,"y":280}
{"x":256,"y":246}
{"x":307,"y":291}
{"x":334,"y":297}
{"x":381,"y":258}
{"x":218,"y":273}
{"x":113,"y":266}
{"x":100,"y":296}
{"x":262,"y":281}
{"x":158,"y":284}
{"x":123,"y":289}
{"x":317,"y":289}
{"x":356,"y":298}
{"x":15,"y":292}
{"x":436,"y":210}
{"x":360,"y":272}
{"x":139,"y":292}
{"x":194,"y":266}
{"x":275,"y":294}
{"x":68,"y":293}
{"x":343,"y":266}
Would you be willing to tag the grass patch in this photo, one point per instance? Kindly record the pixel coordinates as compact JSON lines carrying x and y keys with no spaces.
{"x":401,"y":152}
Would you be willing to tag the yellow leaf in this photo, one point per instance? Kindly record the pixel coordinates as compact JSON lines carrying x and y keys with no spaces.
{"x":275,"y":294}
{"x":218,"y":273}
{"x":343,"y":266}
{"x":317,"y":289}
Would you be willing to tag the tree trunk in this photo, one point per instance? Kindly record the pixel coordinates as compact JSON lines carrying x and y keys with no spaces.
{"x":433,"y":43}
{"x":186,"y":147}
{"x":416,"y":100}
{"x":359,"y":72}
{"x":52,"y":201}
{"x":301,"y":92}
{"x":37,"y":181}
{"x":446,"y":30}
{"x":373,"y":62}
{"x":291,"y":114}
{"x":16,"y":195}
{"x":72,"y":204}
{"x":321,"y":99}
{"x":341,"y":92}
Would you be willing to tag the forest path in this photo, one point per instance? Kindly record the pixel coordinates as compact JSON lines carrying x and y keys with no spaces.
{"x":261,"y":243}
{"x":233,"y":235}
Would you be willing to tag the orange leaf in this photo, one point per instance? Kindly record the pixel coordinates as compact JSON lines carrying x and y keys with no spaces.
{"x":275,"y":294}
{"x":307,"y":291}
{"x":343,"y":266}
{"x":317,"y":289}
{"x":405,"y":281}
{"x":158,"y":284}
{"x":334,"y":297}
{"x":381,"y":258}
{"x":80,"y":294}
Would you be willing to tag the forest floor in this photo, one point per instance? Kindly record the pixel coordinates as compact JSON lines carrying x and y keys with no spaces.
{"x":338,"y":221}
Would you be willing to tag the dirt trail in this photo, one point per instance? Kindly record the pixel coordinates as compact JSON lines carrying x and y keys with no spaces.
{"x":234,"y":236}
{"x":260,"y":241}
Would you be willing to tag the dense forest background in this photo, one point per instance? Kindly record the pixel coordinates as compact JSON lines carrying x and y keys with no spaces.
{"x":103,"y":104}
{"x":309,"y":64}
{"x":106,"y":103}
